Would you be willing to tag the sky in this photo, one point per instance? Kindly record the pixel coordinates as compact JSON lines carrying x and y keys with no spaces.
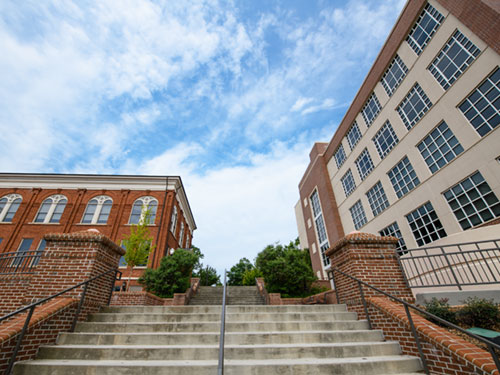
{"x":229,"y":95}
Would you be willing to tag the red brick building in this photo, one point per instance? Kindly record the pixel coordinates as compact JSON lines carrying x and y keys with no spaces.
{"x":32,"y":205}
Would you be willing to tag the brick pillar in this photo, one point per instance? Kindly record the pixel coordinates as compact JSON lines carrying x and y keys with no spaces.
{"x":371,"y":259}
{"x":71,"y":258}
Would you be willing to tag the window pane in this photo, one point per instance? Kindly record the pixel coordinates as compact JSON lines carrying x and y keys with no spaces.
{"x":89,"y":212}
{"x":56,"y":216}
{"x":44,"y":209}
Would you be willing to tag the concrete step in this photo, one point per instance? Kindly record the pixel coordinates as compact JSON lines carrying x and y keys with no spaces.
{"x":207,"y":352}
{"x":312,"y":366}
{"x":212,"y":338}
{"x":214,"y":327}
{"x":230,"y":317}
{"x":163,"y":309}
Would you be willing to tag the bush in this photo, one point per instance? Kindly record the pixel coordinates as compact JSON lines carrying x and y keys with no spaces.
{"x":173,"y":275}
{"x":479,"y":312}
{"x":250,"y":275}
{"x":441,"y":309}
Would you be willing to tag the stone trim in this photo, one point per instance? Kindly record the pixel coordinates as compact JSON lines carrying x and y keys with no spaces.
{"x":87,"y":236}
{"x":359,"y":238}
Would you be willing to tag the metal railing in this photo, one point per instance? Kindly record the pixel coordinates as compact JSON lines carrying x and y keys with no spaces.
{"x":19,"y":262}
{"x":31,"y":309}
{"x":492,"y":347}
{"x":220,"y":368}
{"x":457,"y":265}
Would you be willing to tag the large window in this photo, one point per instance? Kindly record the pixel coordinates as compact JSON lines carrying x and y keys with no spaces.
{"x":364,"y":164}
{"x":353,"y":135}
{"x":393,"y":231}
{"x":403,"y":177}
{"x":340,"y":156}
{"x":414,"y":106}
{"x":482,"y":106}
{"x":173,"y":220}
{"x":439,"y":147}
{"x":140,"y":207}
{"x":97,"y":211}
{"x":377,"y":199}
{"x":394,"y":75}
{"x":51,"y":209}
{"x":425,"y":27}
{"x":453,"y":59}
{"x":348,"y":183}
{"x":371,"y":109}
{"x":8,"y":207}
{"x":385,"y":139}
{"x":320,"y":227}
{"x":425,"y":224}
{"x":472,"y":201}
{"x":358,"y":215}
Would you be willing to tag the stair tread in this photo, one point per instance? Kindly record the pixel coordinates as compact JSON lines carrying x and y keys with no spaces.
{"x":227,"y":362}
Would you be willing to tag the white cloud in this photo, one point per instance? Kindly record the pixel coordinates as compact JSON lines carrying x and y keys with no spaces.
{"x":300,"y":103}
{"x":240,"y":209}
{"x":327,"y":104}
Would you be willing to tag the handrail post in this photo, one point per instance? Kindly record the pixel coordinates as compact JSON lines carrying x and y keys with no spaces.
{"x":335,"y":285}
{"x":112,"y":287}
{"x":417,"y":339}
{"x":451,"y":268}
{"x":20,"y":340}
{"x":220,"y":370}
{"x":494,"y":355}
{"x":77,"y":313}
{"x":364,"y":305}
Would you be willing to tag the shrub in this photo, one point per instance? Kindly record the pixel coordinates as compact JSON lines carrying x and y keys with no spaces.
{"x":479,"y":312}
{"x":441,"y":309}
{"x":250,"y":275}
{"x":173,"y":275}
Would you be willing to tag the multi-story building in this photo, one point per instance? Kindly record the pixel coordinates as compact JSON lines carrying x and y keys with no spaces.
{"x":32,"y":205}
{"x":417,"y":155}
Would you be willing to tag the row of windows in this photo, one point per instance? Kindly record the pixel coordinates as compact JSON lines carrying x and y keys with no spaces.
{"x":320,"y":227}
{"x":481,"y":107}
{"x":96,"y":212}
{"x":471,"y":200}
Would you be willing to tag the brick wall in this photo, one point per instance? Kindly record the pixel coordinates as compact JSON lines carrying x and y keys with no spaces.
{"x":372,"y":259}
{"x":12,"y":292}
{"x":46,"y":323}
{"x":136,"y":299}
{"x":68,"y":260}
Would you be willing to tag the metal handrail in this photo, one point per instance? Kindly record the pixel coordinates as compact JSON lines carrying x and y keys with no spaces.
{"x":17,"y":262}
{"x":491,"y":345}
{"x":32,"y":307}
{"x":220,"y":369}
{"x":432,"y":266}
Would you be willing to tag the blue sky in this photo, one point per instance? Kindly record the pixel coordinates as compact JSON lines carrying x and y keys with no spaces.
{"x":230,"y":95}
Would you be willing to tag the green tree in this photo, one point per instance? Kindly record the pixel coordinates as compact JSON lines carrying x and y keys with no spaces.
{"x":138,"y":244}
{"x":286,"y":269}
{"x":250,"y":275}
{"x":173,"y":275}
{"x":208,"y":276}
{"x":235,"y":274}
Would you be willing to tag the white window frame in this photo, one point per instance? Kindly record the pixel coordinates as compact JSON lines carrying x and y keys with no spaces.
{"x":173,"y":222}
{"x":146,"y":201}
{"x":389,"y":80}
{"x":403,"y":111}
{"x":358,"y":215}
{"x":318,"y":218}
{"x":364,"y":168}
{"x":426,"y":218}
{"x":385,"y":139}
{"x":403,"y":177}
{"x":371,"y":109}
{"x":11,"y":198}
{"x":340,"y":156}
{"x":56,"y":198}
{"x":181,"y":234}
{"x":101,"y":199}
{"x":377,"y":199}
{"x":431,"y":13}
{"x":457,"y":39}
{"x":353,"y":135}
{"x":394,"y":231}
{"x":348,"y":183}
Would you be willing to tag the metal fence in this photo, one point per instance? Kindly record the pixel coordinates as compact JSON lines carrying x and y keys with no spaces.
{"x":456,"y":265}
{"x":19,"y":262}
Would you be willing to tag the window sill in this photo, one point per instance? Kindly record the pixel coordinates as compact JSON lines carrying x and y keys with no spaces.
{"x":44,"y":223}
{"x":90,"y":224}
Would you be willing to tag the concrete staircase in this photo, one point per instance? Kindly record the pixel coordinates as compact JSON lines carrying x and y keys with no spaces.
{"x":236,"y":295}
{"x":260,"y":340}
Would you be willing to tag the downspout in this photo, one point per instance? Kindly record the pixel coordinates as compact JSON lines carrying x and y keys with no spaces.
{"x":161,"y":220}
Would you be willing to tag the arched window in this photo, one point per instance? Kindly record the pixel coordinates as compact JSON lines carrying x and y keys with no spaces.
{"x":51,"y":209}
{"x":8,"y":207}
{"x":140,"y":207}
{"x":97,"y":211}
{"x":181,"y":235}
{"x":188,"y":239}
{"x":173,"y":220}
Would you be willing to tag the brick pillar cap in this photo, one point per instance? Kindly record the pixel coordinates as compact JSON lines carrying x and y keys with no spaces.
{"x":91,"y":235}
{"x":360,"y":238}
